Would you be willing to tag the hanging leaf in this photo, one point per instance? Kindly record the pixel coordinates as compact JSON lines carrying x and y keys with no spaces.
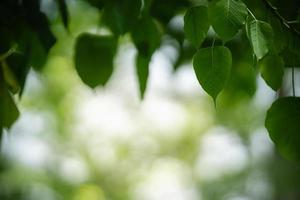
{"x":227,"y":17}
{"x":280,"y":35}
{"x":63,"y":9}
{"x":146,"y":36}
{"x":283,"y":125}
{"x":196,"y":24}
{"x":212,"y":67}
{"x":260,"y":36}
{"x":94,"y":56}
{"x":142,"y":69}
{"x":121,"y":15}
{"x":8,"y":110}
{"x":272,"y":70}
{"x":290,"y":58}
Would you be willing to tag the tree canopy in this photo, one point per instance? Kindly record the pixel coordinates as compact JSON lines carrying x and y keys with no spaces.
{"x":219,"y":37}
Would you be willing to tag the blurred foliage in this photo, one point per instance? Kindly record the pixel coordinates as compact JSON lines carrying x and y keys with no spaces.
{"x":262,"y":36}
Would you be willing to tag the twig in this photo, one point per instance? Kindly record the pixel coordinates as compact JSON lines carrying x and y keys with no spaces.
{"x":285,"y":22}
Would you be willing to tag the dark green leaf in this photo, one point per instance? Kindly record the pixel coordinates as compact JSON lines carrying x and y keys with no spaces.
{"x":260,"y":36}
{"x":272,"y":70}
{"x":280,"y":40}
{"x":8,"y":110}
{"x":227,"y":17}
{"x":20,"y":68}
{"x":290,"y":58}
{"x":63,"y":9}
{"x":196,"y":24}
{"x":94,"y":57}
{"x":32,"y":48}
{"x":212,"y":67}
{"x":142,"y":69}
{"x":166,"y":9}
{"x":283,"y":125}
{"x":146,"y":36}
{"x":6,"y":40}
{"x":121,"y":15}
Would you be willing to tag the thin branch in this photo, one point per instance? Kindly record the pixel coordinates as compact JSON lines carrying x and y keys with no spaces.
{"x":285,"y":22}
{"x":249,"y":11}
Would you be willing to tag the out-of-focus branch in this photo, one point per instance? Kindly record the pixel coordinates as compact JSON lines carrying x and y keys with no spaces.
{"x":285,"y":22}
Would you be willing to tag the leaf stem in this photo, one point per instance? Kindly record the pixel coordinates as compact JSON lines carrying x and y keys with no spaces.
{"x":252,"y":15}
{"x":293,"y":77}
{"x":8,"y":53}
{"x":285,"y":22}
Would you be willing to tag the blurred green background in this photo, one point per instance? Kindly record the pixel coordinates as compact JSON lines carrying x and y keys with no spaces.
{"x":72,"y":142}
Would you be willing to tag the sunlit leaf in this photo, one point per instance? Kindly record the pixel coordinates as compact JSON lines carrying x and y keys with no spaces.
{"x":260,"y":36}
{"x":227,"y":17}
{"x":196,"y":24}
{"x":272,"y":70}
{"x":94,"y":56}
{"x":283,"y":125}
{"x":212,"y":67}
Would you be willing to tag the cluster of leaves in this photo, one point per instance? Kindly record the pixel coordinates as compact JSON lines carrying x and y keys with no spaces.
{"x":26,"y":39}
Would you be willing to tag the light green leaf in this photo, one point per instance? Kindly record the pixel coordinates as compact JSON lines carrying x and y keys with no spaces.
{"x":94,"y":57}
{"x":142,"y":70}
{"x":227,"y":17}
{"x":283,"y":125}
{"x":196,"y":24}
{"x":272,"y":70}
{"x":260,"y":36}
{"x":212,"y":67}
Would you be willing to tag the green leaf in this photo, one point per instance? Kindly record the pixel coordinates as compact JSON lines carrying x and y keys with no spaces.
{"x":291,"y":59}
{"x":121,"y":16}
{"x":94,"y":57}
{"x":280,"y":35}
{"x":212,"y":67}
{"x":272,"y":70}
{"x":19,"y":66}
{"x":146,"y":36}
{"x":63,"y":9}
{"x":196,"y":24}
{"x":8,"y":110}
{"x":283,"y":125}
{"x":30,"y":45}
{"x":227,"y":17}
{"x":260,"y":36}
{"x":142,"y":69}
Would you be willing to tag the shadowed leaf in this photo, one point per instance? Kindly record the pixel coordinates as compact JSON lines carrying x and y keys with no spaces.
{"x":283,"y":125}
{"x":94,"y":56}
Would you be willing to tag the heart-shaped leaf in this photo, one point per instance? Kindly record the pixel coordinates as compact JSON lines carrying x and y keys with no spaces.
{"x":94,"y":57}
{"x":212,"y":67}
{"x":283,"y":124}
{"x":272,"y":70}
